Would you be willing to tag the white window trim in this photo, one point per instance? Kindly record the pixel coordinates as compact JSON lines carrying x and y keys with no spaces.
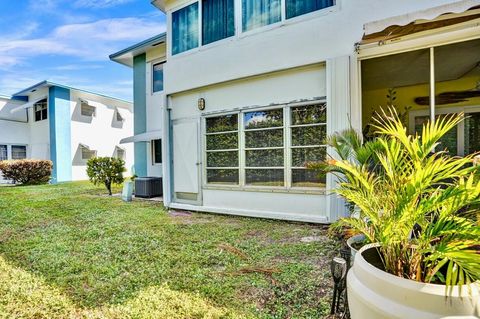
{"x":238,"y":24}
{"x":152,"y":64}
{"x":152,"y":150}
{"x":94,"y":114}
{"x":242,"y":186}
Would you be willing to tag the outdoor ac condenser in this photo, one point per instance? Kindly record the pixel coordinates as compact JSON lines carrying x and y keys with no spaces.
{"x":148,"y":187}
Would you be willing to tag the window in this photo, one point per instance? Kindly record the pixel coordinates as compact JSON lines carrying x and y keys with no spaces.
{"x":276,"y":144}
{"x":157,"y":151}
{"x":185,"y":29}
{"x":19,"y":152}
{"x":118,"y":116}
{"x":308,"y":133}
{"x":87,"y":110}
{"x":295,"y":8}
{"x":157,"y":77}
{"x":218,"y":20}
{"x":222,"y":149}
{"x":258,"y":13}
{"x":41,"y":110}
{"x":3,"y":153}
{"x":264,"y":148}
{"x":120,"y":153}
{"x":88,"y":153}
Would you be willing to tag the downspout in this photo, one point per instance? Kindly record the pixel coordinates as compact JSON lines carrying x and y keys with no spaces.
{"x":432,"y":85}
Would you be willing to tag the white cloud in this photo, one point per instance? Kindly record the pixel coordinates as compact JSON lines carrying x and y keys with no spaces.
{"x":89,"y":41}
{"x":100,"y":3}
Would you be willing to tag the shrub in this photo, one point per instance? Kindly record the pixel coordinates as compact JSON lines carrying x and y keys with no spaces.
{"x":27,"y":172}
{"x":106,"y":170}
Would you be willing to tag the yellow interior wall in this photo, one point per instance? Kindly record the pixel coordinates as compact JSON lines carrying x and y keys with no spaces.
{"x":372,"y":100}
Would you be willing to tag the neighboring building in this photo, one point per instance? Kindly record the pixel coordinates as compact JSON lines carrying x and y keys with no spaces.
{"x":65,"y":125}
{"x":252,"y":87}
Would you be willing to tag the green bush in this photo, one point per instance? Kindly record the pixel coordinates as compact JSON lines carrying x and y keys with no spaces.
{"x":106,"y":170}
{"x":27,"y":172}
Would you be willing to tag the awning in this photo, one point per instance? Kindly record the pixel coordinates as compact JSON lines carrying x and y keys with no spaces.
{"x":143,"y":137}
{"x":428,"y":14}
{"x":27,"y":105}
{"x":124,"y":113}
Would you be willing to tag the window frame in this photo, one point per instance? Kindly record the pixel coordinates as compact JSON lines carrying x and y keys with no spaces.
{"x":153,"y":64}
{"x":93,"y":153}
{"x":121,"y":149}
{"x":17,"y":145}
{"x":85,"y":104}
{"x":6,"y":152}
{"x":43,"y":105}
{"x":238,"y":24}
{"x":153,"y":150}
{"x":287,"y":136}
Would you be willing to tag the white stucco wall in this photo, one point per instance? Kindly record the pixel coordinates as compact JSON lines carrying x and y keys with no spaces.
{"x":13,"y":127}
{"x":155,"y":103}
{"x":39,"y":131}
{"x":101,"y":132}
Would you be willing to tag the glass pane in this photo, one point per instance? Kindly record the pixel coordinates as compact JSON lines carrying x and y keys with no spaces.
{"x":299,"y":7}
{"x":222,"y":176}
{"x":262,"y":119}
{"x":3,"y":153}
{"x":267,"y":138}
{"x":300,"y":156}
{"x":264,"y":177}
{"x":158,"y":77}
{"x":472,"y":133}
{"x":222,"y":159}
{"x":309,"y":114}
{"x":448,"y":142}
{"x":264,"y":158}
{"x":185,"y":29}
{"x":157,"y":147}
{"x":19,"y":152}
{"x":257,"y":13}
{"x":307,"y":178}
{"x":309,"y":135}
{"x":222,"y":141}
{"x":217,"y":20}
{"x":224,"y":123}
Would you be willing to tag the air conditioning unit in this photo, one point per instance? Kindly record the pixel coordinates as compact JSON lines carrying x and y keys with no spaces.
{"x":148,"y":187}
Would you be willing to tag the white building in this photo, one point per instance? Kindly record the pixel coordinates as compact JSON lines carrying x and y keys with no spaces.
{"x":65,"y":125}
{"x":252,"y":87}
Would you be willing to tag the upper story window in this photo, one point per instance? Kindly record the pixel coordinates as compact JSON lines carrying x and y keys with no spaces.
{"x":157,"y":77}
{"x":258,"y":13}
{"x":218,"y":20}
{"x":41,"y":110}
{"x":87,"y":110}
{"x":185,"y":29}
{"x":295,"y":8}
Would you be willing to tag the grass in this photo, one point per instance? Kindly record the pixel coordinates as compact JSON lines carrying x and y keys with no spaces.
{"x":69,"y":251}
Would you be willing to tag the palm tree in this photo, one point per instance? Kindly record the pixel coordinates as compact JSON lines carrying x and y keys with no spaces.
{"x":410,"y":200}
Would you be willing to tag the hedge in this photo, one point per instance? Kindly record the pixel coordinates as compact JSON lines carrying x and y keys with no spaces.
{"x":27,"y":171}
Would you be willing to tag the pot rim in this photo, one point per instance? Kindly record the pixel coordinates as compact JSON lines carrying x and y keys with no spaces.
{"x":361,"y":262}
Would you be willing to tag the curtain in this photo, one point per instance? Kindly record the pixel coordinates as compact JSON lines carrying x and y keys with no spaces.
{"x":217,"y":20}
{"x":257,"y":13}
{"x":299,"y":7}
{"x":185,"y":29}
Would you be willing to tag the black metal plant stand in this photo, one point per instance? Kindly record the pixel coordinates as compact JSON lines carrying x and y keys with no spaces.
{"x":339,"y":267}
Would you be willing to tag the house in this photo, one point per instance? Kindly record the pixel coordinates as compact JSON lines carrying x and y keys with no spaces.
{"x":250,"y":88}
{"x":65,"y":125}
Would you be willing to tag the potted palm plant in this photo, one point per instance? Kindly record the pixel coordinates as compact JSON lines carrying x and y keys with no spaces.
{"x":416,"y":209}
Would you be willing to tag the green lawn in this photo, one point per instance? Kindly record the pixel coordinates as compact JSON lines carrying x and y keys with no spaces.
{"x":69,"y":251}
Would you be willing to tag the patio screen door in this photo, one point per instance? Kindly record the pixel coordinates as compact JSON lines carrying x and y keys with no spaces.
{"x":186,"y":162}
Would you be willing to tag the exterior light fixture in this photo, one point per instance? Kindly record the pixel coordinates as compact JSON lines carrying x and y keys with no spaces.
{"x":201,"y":104}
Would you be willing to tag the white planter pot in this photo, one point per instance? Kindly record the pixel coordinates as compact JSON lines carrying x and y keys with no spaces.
{"x":352,"y":240}
{"x":375,"y":294}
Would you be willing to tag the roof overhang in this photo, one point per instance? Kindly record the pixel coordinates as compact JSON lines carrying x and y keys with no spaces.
{"x":143,"y":137}
{"x":126,"y":56}
{"x":27,"y":105}
{"x":423,"y":20}
{"x":160,"y":4}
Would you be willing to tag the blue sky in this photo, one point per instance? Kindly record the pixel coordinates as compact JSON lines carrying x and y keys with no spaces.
{"x":68,"y":41}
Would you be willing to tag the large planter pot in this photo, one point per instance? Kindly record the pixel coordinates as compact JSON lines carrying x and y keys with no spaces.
{"x":375,"y":294}
{"x":351,"y":244}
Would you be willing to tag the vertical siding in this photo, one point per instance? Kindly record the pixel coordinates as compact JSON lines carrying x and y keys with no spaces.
{"x":140,"y":112}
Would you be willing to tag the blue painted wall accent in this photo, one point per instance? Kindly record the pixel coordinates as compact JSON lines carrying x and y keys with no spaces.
{"x":140,"y":111}
{"x":60,"y":133}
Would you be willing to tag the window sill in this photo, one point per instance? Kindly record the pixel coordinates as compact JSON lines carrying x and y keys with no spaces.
{"x":260,"y":189}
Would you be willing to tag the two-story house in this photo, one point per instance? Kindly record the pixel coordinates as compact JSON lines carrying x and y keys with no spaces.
{"x":65,"y":125}
{"x":251,"y":88}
